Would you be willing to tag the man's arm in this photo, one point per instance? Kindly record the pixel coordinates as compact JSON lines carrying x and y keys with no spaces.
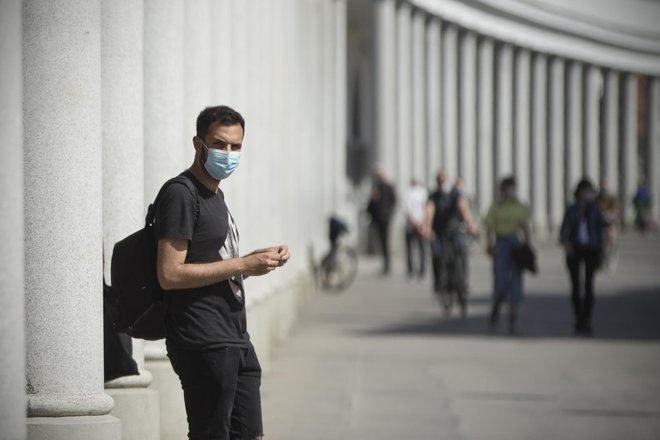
{"x":466,"y":215}
{"x":428,"y":219}
{"x":174,"y":273}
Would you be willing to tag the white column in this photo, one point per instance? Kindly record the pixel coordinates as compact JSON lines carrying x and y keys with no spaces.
{"x":611,"y":144}
{"x":450,"y":100}
{"x":485,"y":143}
{"x":197,"y":71}
{"x":329,"y":151}
{"x":522,"y":123}
{"x":654,"y":145}
{"x":123,"y":185}
{"x":434,"y":100}
{"x":12,"y":309}
{"x":629,"y":153}
{"x":556,"y":190}
{"x":404,"y":118}
{"x":419,"y":96}
{"x":340,"y":108}
{"x":504,"y":115}
{"x":539,"y":147}
{"x":386,"y":83}
{"x":64,"y":316}
{"x":468,"y":107}
{"x":575,"y":145}
{"x":593,"y":92}
{"x":165,"y":151}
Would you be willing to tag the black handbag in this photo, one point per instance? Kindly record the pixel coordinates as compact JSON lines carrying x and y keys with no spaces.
{"x":525,"y":258}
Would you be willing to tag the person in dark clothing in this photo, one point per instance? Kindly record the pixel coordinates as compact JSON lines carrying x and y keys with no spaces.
{"x":448,"y":219}
{"x":202,"y":273}
{"x":380,"y":208}
{"x":581,"y":235}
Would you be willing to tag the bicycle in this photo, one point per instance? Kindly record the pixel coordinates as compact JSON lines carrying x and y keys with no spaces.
{"x":450,"y":277}
{"x":338,"y":268}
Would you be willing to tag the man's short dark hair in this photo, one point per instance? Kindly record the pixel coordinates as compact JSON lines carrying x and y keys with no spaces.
{"x":507,"y":183}
{"x":220,"y":114}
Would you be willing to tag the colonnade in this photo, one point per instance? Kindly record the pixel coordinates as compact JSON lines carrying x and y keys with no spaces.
{"x":99,"y":106}
{"x":483,"y":96}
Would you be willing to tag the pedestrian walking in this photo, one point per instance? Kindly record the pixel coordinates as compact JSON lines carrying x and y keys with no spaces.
{"x":202,"y":273}
{"x":380,"y":208}
{"x":581,"y":235}
{"x":414,"y":201}
{"x":448,"y":220}
{"x":642,"y":204}
{"x":507,"y":222}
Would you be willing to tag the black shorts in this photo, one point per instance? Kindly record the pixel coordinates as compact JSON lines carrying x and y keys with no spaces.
{"x":221,"y":392}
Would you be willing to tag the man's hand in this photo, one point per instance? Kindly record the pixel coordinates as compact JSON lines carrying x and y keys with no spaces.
{"x":568,"y":248}
{"x":263,"y":261}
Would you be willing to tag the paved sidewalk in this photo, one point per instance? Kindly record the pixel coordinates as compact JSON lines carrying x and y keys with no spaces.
{"x":381,"y":361}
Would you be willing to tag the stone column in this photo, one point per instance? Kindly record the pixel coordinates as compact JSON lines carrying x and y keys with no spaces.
{"x":468,"y":108}
{"x":197,"y":72}
{"x":63,"y":269}
{"x":539,"y":146}
{"x":629,"y":165}
{"x":385,"y":77}
{"x":167,"y":152}
{"x":593,"y":92}
{"x":611,"y":145}
{"x":556,"y":145}
{"x":329,"y":151}
{"x":654,"y":145}
{"x":433,"y":99}
{"x":123,"y":185}
{"x":12,"y":307}
{"x":574,"y":120}
{"x":522,"y":123}
{"x":450,"y":100}
{"x":504,"y":115}
{"x":487,"y":184}
{"x":419,"y":96}
{"x":404,"y":60}
{"x":340,"y":107}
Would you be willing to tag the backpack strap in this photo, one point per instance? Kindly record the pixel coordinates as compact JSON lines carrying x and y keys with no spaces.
{"x":151,"y":211}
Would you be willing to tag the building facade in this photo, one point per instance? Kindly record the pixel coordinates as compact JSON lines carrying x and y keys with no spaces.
{"x":547,"y":90}
{"x":99,"y":101}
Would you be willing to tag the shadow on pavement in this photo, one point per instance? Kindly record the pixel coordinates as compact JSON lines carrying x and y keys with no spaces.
{"x":618,"y":316}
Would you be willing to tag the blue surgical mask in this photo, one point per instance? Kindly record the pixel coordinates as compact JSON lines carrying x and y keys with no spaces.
{"x":220,"y":164}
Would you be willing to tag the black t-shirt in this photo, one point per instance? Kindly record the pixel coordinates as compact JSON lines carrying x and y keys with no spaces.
{"x":447,"y":218}
{"x":212,"y":316}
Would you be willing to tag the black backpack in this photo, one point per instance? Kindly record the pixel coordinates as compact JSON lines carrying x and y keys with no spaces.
{"x":137,"y":302}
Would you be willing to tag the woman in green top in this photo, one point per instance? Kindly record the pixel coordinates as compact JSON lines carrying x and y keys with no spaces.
{"x":506,"y":221}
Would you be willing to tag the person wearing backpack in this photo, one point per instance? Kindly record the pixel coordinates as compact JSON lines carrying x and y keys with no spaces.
{"x":202,"y":273}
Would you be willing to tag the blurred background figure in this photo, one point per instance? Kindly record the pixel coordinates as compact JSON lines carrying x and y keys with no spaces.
{"x":507,"y":219}
{"x":581,"y":234}
{"x":642,"y":204}
{"x":380,"y":208}
{"x":609,"y":206}
{"x":414,"y":202}
{"x":448,"y":219}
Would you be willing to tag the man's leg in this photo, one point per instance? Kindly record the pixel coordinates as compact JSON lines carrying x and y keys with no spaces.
{"x":591,"y":266}
{"x":422,"y":254}
{"x":209,"y":382}
{"x":573,"y":264}
{"x":436,"y":261}
{"x":246,"y":419}
{"x":410,"y":237}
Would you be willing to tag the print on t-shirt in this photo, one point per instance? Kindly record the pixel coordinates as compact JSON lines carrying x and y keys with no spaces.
{"x":229,"y":250}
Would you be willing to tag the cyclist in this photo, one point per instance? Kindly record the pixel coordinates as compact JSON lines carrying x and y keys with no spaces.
{"x":447,"y":220}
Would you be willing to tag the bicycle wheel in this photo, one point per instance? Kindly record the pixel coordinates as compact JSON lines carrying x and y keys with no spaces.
{"x":340,"y":273}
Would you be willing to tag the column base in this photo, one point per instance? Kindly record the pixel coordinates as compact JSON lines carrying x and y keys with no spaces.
{"x":173,"y":421}
{"x":104,"y":427}
{"x":137,"y":409}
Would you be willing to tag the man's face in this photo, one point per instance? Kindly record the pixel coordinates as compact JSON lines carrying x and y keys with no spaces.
{"x":227,"y":138}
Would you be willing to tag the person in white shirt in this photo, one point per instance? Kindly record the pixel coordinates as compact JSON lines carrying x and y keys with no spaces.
{"x":414,"y":203}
